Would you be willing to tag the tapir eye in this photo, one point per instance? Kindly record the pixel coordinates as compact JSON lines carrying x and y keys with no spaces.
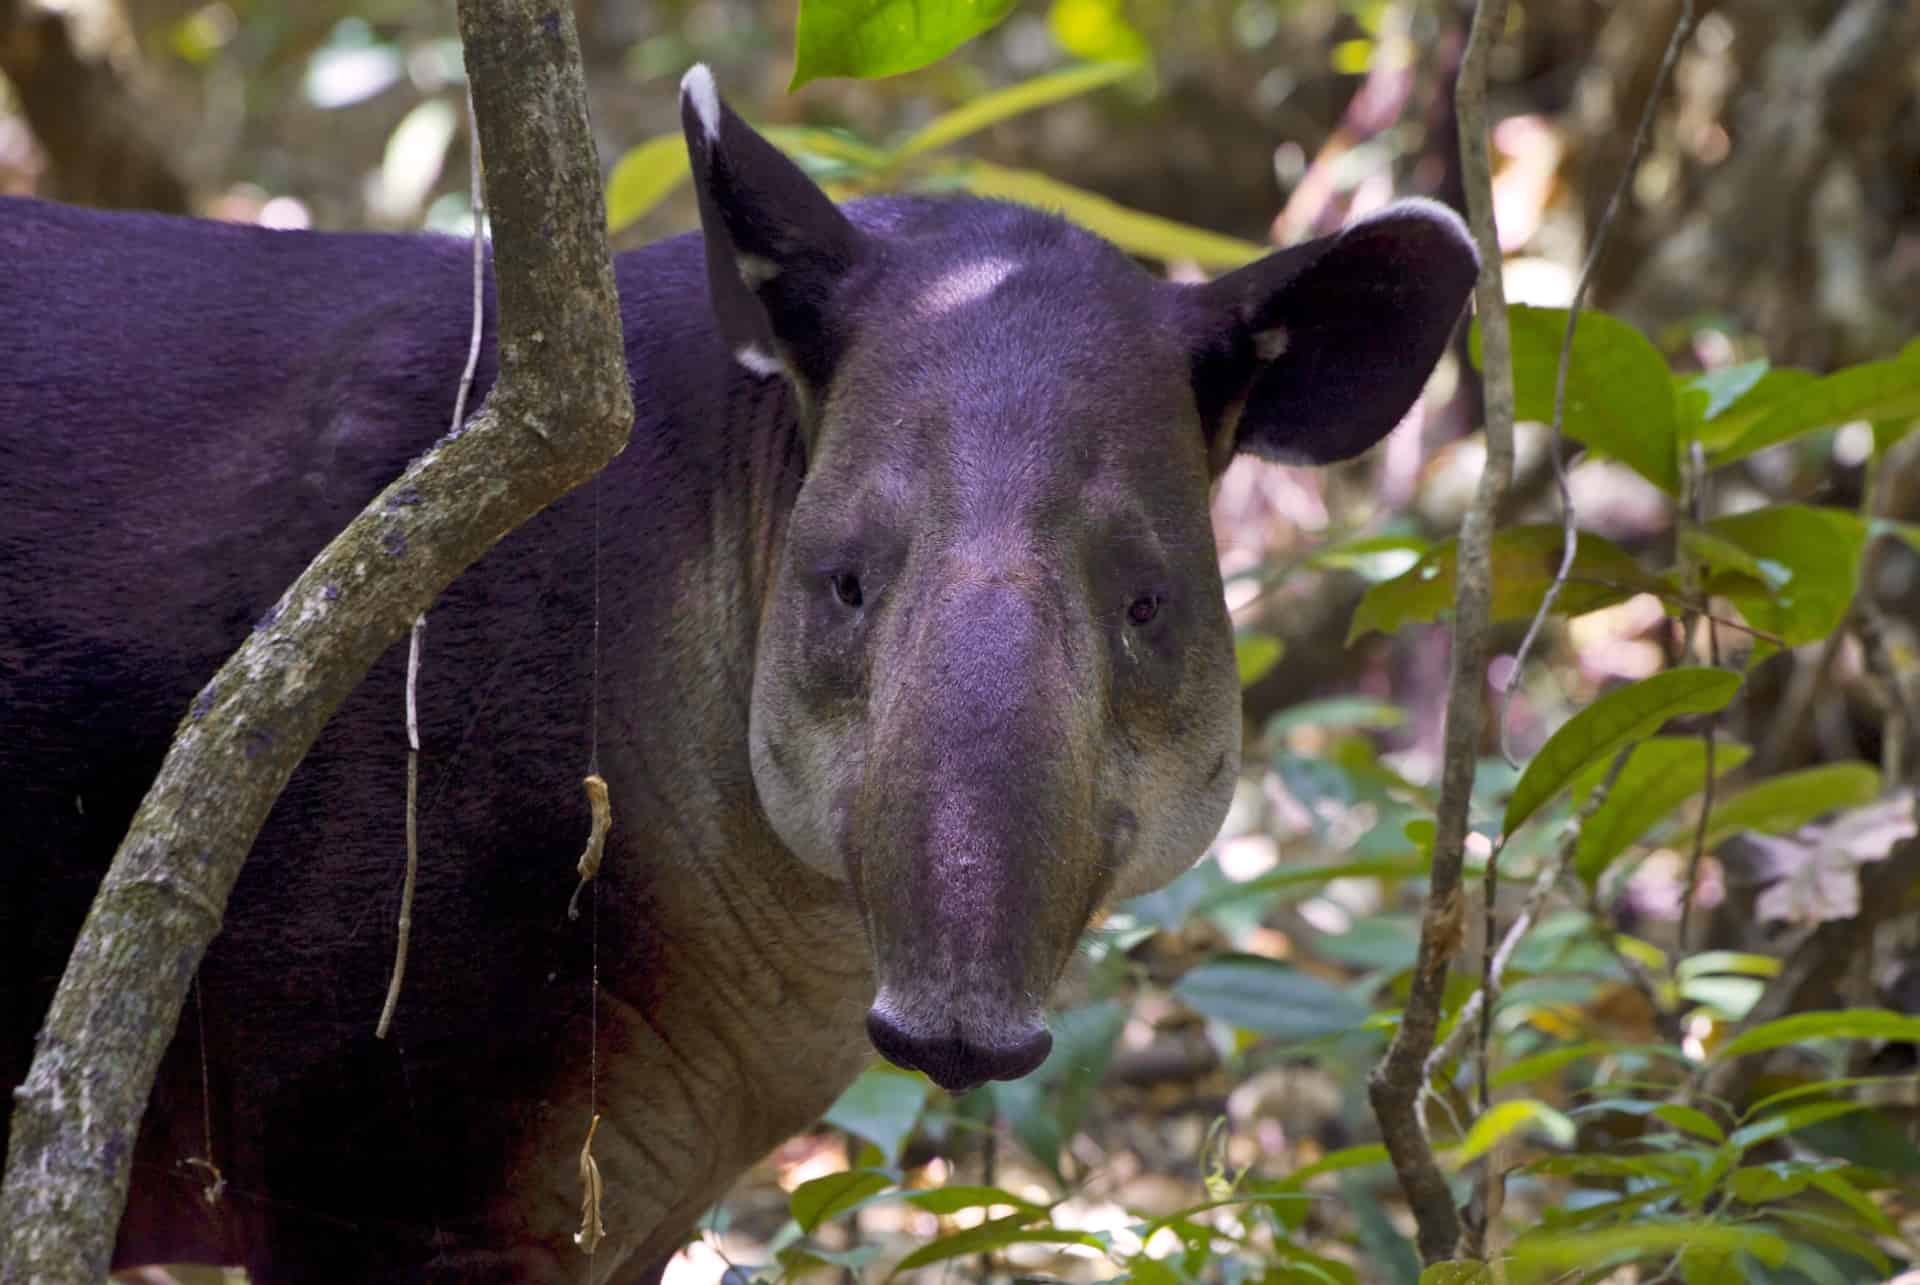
{"x":1143,"y":609}
{"x":846,"y":587}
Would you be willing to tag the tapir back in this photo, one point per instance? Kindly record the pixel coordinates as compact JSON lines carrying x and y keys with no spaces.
{"x":188,"y":412}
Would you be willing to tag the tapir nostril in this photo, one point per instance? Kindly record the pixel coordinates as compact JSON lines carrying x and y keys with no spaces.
{"x":955,"y":1061}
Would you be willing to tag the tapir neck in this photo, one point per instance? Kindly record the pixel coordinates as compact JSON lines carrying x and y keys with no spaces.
{"x":710,"y":915}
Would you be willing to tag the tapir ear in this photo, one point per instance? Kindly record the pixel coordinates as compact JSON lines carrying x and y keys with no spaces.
{"x":777,"y":248}
{"x":1314,"y":353}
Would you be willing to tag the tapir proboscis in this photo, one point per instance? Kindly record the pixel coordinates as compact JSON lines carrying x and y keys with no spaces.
{"x":912,"y":655}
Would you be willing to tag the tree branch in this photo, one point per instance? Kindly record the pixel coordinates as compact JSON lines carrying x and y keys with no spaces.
{"x":560,"y":411}
{"x":1396,"y":1083}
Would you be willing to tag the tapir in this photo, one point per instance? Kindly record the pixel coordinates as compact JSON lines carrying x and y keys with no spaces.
{"x":896,"y":632}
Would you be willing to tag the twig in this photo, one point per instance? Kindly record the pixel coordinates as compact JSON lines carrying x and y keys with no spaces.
{"x":1395,"y":1085}
{"x":1681,"y":27}
{"x":418,"y":635}
{"x":1712,"y":730}
{"x":1482,"y":1000}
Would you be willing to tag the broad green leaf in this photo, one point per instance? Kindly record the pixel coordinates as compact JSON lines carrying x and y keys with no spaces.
{"x":1764,"y":1184}
{"x":1539,"y":1255}
{"x":1875,"y":390}
{"x":812,"y":1203}
{"x":809,"y":143}
{"x":1269,"y":998}
{"x":1363,"y":1156}
{"x":881,"y":1106}
{"x":1504,"y":1120}
{"x":1623,"y":715}
{"x":1297,"y":876}
{"x":1146,"y":235}
{"x":1525,"y":560}
{"x":643,"y":178}
{"x":1888,"y":433}
{"x":1792,"y":799}
{"x":884,"y":37}
{"x":1827,"y":1087}
{"x":1096,"y":29}
{"x":1015,"y":100}
{"x":1541,"y":1065}
{"x":1793,"y":1118}
{"x":1769,"y":391}
{"x":997,"y":1234}
{"x":1715,"y":390}
{"x":1457,"y":1272}
{"x":1739,"y":963}
{"x":1373,"y":557}
{"x":952,"y":1199}
{"x":1837,"y":1024}
{"x":1620,"y":397}
{"x":1690,"y":1120}
{"x":1661,"y":774}
{"x":1255,"y":655}
{"x":1811,"y":560}
{"x":1336,"y":711}
{"x":1853,"y":1198}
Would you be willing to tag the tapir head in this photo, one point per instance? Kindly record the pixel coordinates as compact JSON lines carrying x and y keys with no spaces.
{"x":995,"y":684}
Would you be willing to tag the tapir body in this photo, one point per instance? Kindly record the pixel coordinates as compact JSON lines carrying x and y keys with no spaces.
{"x":895,"y":631}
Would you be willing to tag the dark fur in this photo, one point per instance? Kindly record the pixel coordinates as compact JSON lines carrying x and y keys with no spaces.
{"x":188,"y":412}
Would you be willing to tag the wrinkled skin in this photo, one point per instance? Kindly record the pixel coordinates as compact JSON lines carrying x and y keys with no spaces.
{"x":896,"y":629}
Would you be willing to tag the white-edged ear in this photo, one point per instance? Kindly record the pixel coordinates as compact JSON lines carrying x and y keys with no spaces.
{"x":1314,"y":353}
{"x":778,"y":251}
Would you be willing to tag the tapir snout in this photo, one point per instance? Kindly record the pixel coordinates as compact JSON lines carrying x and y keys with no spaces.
{"x":974,"y":855}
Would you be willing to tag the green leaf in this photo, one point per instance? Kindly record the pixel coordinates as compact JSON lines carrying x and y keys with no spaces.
{"x":884,"y":37}
{"x":1457,"y":1272}
{"x":1541,"y":1065}
{"x":881,"y":1106}
{"x":1146,"y":235}
{"x":1739,"y":963}
{"x":1336,"y":711}
{"x":812,"y":1203}
{"x":1661,"y":774}
{"x":997,"y":1234}
{"x":1790,"y":1120}
{"x":1540,"y":1254}
{"x":643,"y":178}
{"x":1856,"y":1200}
{"x":1364,"y":1156}
{"x":1525,"y":560}
{"x":1719,"y":389}
{"x":1690,"y":1120}
{"x":1875,"y":390}
{"x":1772,"y":388}
{"x":1764,"y":1184}
{"x":1620,"y":397}
{"x":949,"y":1200}
{"x":1255,"y":655}
{"x":1623,"y":715}
{"x":1096,"y":29}
{"x":1792,"y":799}
{"x":1015,"y":100}
{"x":1811,"y":559}
{"x":1504,"y":1120}
{"x":1837,"y":1024}
{"x":1269,"y":998}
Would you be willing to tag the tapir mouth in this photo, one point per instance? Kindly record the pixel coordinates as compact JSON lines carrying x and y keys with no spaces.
{"x":957,"y":1050}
